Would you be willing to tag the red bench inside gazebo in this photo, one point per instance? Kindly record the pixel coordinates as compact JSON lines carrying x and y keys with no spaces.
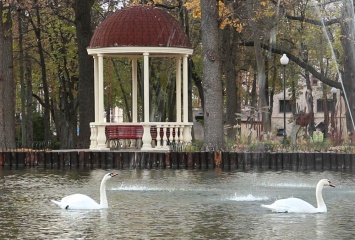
{"x":133,"y":132}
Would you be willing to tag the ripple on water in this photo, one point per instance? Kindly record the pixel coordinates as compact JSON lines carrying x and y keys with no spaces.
{"x":166,"y":204}
{"x":246,"y":198}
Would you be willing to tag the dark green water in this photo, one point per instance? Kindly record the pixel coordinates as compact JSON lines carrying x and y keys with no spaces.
{"x":173,"y":204}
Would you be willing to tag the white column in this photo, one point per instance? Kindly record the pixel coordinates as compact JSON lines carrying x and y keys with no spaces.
{"x":187,"y":129}
{"x":96,"y":88}
{"x":178,"y":88}
{"x":101,"y":88}
{"x":146,"y":87}
{"x":93,"y":127}
{"x":147,"y":138}
{"x":185,"y":90}
{"x":134,"y":91}
{"x":101,"y":138}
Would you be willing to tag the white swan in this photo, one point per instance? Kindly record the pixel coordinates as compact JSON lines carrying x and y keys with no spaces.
{"x":81,"y":201}
{"x":296,"y":205}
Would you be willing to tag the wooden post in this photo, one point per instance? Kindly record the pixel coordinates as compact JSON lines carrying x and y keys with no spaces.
{"x":347,"y":159}
{"x":302,"y":161}
{"x":41,"y":161}
{"x":226,"y":160}
{"x":182,"y":160}
{"x":174,"y":161}
{"x":247,"y":156}
{"x":190,"y":160}
{"x":168,"y":160}
{"x":125,"y":160}
{"x":217,"y":159}
{"x":286,"y":161}
{"x":265,"y":161}
{"x":311,"y":163}
{"x":279,"y":163}
{"x":326,"y":161}
{"x":2,"y":158}
{"x":95,"y":159}
{"x":21,"y":159}
{"x":109,"y":160}
{"x":272,"y":161}
{"x":7,"y":157}
{"x":318,"y":162}
{"x":295,"y":161}
{"x":210,"y":160}
{"x":88,"y":159}
{"x":195,"y":160}
{"x":103,"y":159}
{"x":117,"y":156}
{"x":340,"y":160}
{"x":352,"y":161}
{"x":153,"y":160}
{"x":233,"y":160}
{"x":161,"y":159}
{"x":333,"y":161}
{"x":240,"y":160}
{"x":81,"y":158}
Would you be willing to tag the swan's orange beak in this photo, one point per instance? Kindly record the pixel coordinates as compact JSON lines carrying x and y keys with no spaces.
{"x":113,"y":174}
{"x":331,"y":184}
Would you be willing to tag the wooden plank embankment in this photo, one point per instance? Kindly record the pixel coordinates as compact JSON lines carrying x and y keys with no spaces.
{"x":295,"y":161}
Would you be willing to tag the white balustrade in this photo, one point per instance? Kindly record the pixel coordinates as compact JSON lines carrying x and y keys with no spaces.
{"x":158,"y":136}
{"x":167,"y":133}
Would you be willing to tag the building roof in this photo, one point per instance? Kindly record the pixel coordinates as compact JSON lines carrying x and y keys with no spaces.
{"x":140,"y":26}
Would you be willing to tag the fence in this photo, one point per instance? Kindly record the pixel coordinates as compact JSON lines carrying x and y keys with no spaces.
{"x":296,"y":161}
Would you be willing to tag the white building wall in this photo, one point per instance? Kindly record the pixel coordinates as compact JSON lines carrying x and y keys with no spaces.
{"x":277,"y":119}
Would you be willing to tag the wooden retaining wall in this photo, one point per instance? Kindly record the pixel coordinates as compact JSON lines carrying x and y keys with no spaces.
{"x":180,"y":160}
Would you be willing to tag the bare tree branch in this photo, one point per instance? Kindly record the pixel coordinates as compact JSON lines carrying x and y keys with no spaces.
{"x":300,"y":63}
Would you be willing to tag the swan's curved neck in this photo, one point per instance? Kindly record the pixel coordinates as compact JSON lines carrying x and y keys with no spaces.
{"x":319,"y":195}
{"x":103,"y":198}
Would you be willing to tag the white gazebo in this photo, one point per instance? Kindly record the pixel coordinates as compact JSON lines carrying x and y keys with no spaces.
{"x":142,"y":32}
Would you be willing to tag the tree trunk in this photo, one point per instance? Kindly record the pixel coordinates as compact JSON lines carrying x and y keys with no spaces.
{"x":29,"y":98}
{"x":7,"y":86}
{"x":232,"y":103}
{"x":25,"y":75}
{"x":67,"y":121}
{"x":348,"y":77}
{"x":263,"y":106}
{"x":65,"y":112}
{"x":23,"y":94}
{"x":272,"y":87}
{"x":46,"y":102}
{"x":253,"y":106}
{"x":125,"y":94}
{"x":197,"y":81}
{"x":84,"y":33}
{"x":310,"y":109}
{"x":212,"y":82}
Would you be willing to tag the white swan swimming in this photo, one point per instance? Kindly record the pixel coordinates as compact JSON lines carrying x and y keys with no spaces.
{"x":296,"y":205}
{"x":81,"y":201}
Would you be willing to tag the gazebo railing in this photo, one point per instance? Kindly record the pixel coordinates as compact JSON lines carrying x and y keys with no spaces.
{"x":163,"y":135}
{"x":156,"y":135}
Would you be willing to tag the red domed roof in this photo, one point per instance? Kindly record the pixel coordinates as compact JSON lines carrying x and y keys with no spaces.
{"x":143,"y":26}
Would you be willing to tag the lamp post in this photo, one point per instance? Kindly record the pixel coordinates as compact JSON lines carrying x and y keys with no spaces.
{"x":284,"y":61}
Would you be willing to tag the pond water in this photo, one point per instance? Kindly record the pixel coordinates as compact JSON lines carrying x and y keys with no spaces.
{"x":173,"y":204}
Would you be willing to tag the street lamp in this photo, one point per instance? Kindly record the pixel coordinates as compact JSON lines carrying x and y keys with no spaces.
{"x":284,"y":61}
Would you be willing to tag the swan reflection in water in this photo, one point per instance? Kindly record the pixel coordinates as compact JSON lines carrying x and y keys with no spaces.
{"x":296,"y":205}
